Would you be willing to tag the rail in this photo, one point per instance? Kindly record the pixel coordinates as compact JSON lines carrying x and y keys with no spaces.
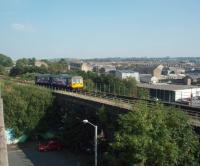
{"x":191,"y":111}
{"x":128,"y":102}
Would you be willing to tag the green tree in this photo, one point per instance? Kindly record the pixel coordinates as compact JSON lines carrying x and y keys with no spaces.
{"x":26,"y":107}
{"x":2,"y":70}
{"x":17,"y":70}
{"x":154,"y":136}
{"x":89,"y":85}
{"x":27,"y":66}
{"x":57,"y":67}
{"x":32,"y":61}
{"x":143,"y":93}
{"x":22,"y":62}
{"x":110,"y":84}
{"x":5,"y":61}
{"x":26,"y":62}
{"x":130,"y":85}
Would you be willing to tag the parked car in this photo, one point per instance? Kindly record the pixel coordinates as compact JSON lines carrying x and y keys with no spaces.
{"x":50,"y":146}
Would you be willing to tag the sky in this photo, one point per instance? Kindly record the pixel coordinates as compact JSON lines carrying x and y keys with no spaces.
{"x":99,"y":28}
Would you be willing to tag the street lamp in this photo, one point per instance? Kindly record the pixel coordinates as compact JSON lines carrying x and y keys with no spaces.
{"x":95,"y":139}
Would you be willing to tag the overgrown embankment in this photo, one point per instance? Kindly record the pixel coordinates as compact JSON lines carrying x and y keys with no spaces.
{"x":147,"y":135}
{"x":26,"y":107}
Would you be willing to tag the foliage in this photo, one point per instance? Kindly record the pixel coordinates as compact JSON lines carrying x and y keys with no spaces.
{"x":25,"y":65}
{"x":5,"y":61}
{"x":19,"y":70}
{"x":2,"y":70}
{"x":90,"y":86}
{"x":28,"y":76}
{"x":93,"y":81}
{"x":58,"y":67}
{"x":143,"y":93}
{"x":70,"y":116}
{"x":108,"y":83}
{"x":154,"y":136}
{"x":107,"y":123}
{"x":25,"y":107}
{"x":25,"y":62}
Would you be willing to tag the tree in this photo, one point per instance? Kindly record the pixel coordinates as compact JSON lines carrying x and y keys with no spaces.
{"x":110,"y":84}
{"x":27,"y":66}
{"x":2,"y":70}
{"x":89,"y":85}
{"x":143,"y":93}
{"x":154,"y":136}
{"x":26,"y":107}
{"x":17,"y":70}
{"x":130,"y":85}
{"x":22,"y":62}
{"x":32,"y":61}
{"x":5,"y":61}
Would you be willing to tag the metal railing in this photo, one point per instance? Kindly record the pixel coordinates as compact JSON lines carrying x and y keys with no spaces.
{"x":195,"y":114}
{"x":189,"y":110}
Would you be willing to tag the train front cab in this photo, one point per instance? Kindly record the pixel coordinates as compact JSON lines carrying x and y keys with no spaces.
{"x":77,"y":83}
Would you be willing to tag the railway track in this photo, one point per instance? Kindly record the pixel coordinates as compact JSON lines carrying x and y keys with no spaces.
{"x":189,"y":110}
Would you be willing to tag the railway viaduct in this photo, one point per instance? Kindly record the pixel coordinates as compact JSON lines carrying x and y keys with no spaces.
{"x":119,"y":105}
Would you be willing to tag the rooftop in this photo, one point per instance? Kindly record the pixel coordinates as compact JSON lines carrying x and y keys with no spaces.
{"x":168,"y":87}
{"x":127,"y":71}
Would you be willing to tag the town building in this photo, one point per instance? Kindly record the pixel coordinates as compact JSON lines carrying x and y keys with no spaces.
{"x":39,"y":63}
{"x":171,"y":93}
{"x":173,"y":70}
{"x":158,"y":71}
{"x":148,"y":78}
{"x":124,"y":74}
{"x":104,"y":69}
{"x":81,"y":66}
{"x":192,"y":79}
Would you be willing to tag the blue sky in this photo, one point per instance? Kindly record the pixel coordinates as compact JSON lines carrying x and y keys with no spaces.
{"x":99,"y":28}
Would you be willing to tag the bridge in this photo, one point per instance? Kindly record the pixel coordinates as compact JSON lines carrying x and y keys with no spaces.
{"x":126,"y":103}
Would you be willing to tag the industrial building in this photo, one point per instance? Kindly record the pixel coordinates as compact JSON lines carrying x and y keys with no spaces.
{"x":80,"y":66}
{"x":171,"y":93}
{"x":124,"y":74}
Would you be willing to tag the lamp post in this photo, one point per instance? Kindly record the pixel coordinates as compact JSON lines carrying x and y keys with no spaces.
{"x":95,"y":139}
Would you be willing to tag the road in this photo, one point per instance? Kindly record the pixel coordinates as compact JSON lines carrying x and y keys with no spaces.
{"x":29,"y":156}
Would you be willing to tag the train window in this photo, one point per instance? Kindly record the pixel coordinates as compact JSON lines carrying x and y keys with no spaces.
{"x":77,"y":80}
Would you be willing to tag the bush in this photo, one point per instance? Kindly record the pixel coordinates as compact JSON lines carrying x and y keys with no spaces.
{"x":155,"y":136}
{"x":26,"y":107}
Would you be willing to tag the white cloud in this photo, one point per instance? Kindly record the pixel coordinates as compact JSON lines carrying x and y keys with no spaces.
{"x":18,"y":27}
{"x":22,"y":27}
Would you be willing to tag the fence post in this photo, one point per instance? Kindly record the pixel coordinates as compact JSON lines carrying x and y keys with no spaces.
{"x":114,"y":89}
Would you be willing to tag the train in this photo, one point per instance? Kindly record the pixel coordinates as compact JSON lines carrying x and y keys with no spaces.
{"x":61,"y":81}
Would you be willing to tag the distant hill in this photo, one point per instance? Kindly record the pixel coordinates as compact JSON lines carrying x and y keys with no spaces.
{"x":5,"y":61}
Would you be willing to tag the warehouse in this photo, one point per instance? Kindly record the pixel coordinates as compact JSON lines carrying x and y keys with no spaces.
{"x":171,"y":93}
{"x":124,"y":74}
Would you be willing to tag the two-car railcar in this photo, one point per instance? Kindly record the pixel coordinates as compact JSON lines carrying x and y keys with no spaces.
{"x":60,"y":81}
